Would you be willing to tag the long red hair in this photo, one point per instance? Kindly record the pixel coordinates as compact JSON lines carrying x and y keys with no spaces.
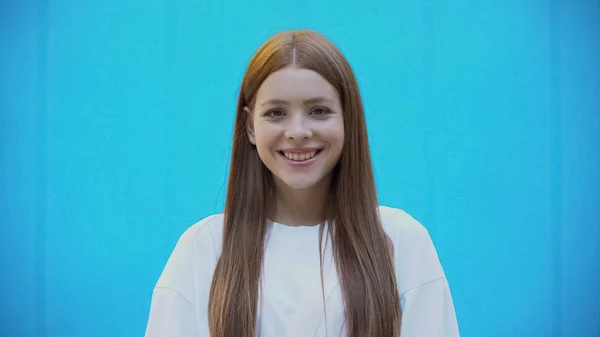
{"x":362,"y":251}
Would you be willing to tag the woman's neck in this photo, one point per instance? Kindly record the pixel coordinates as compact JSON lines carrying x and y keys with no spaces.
{"x":300,"y":207}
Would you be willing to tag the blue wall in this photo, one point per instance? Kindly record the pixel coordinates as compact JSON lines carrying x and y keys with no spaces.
{"x":115,"y":127}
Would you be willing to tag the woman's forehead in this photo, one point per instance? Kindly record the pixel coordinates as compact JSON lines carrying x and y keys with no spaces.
{"x":296,"y":86}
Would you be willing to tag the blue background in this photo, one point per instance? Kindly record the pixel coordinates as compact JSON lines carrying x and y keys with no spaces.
{"x":116,"y":122}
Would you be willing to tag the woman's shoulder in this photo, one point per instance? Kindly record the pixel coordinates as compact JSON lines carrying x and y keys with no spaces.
{"x":396,"y":220}
{"x":415,"y":257}
{"x":205,"y":234}
{"x":208,"y":228}
{"x":196,"y":251}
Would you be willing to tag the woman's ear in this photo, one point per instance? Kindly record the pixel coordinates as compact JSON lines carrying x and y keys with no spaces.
{"x":250,"y":125}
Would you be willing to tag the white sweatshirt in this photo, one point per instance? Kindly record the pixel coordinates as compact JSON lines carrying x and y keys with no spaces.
{"x":291,"y":298}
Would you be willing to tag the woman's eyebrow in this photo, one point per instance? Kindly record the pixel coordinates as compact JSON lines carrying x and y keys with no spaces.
{"x":314,"y":100}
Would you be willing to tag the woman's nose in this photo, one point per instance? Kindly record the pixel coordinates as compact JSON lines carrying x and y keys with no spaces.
{"x":298,"y":129}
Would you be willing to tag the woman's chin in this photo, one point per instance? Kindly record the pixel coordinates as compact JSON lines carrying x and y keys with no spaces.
{"x":299,"y":182}
{"x":299,"y":185}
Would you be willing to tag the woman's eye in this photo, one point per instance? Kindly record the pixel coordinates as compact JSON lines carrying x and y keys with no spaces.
{"x":319,"y":111}
{"x":274,"y":113}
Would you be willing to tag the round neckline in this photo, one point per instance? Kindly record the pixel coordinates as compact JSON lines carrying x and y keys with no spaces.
{"x":276,"y":224}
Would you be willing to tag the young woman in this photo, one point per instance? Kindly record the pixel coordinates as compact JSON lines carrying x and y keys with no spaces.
{"x":302,"y":247}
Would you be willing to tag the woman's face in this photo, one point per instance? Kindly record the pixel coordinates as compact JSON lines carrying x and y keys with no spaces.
{"x":297,"y":127}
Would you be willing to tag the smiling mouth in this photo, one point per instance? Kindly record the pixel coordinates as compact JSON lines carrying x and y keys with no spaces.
{"x":300,"y":157}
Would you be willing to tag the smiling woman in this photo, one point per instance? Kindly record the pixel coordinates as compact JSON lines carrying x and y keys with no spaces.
{"x":302,"y":247}
{"x":302,"y":143}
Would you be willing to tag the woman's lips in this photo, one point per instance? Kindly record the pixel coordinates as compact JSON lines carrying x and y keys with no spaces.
{"x":300,"y":163}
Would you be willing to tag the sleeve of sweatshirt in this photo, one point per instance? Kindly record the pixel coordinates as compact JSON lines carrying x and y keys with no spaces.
{"x":179,"y":305}
{"x":171,"y":314}
{"x":427,"y":306}
{"x":428,"y":310}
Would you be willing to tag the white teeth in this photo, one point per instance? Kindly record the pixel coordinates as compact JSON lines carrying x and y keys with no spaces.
{"x":299,"y":156}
